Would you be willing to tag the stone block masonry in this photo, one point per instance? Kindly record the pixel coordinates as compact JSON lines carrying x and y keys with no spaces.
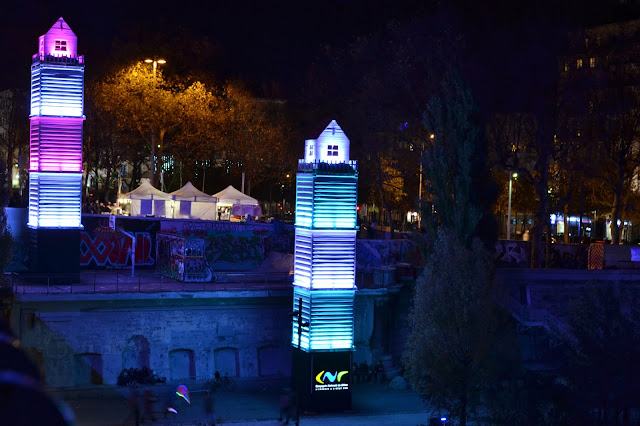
{"x":180,"y":336}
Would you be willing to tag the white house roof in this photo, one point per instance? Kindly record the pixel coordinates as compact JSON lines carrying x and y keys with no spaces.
{"x":190,"y":193}
{"x":230,"y":196}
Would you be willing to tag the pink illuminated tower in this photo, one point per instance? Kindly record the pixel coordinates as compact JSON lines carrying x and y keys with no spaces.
{"x":55,"y":168}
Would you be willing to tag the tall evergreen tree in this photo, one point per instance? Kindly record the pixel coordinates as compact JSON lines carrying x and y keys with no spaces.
{"x":452,"y":357}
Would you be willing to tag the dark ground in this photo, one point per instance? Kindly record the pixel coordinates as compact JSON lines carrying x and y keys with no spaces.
{"x":253,"y":402}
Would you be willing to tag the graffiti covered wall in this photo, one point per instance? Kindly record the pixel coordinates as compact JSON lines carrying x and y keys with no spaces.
{"x":232,"y":245}
{"x":371,"y":254}
{"x":102,"y":247}
{"x":517,"y":254}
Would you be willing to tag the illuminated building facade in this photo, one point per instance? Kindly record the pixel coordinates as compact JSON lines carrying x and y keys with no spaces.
{"x":55,"y":168}
{"x":324,"y":270}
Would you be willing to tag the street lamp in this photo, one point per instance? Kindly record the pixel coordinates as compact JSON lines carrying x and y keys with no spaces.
{"x":513,"y":176}
{"x":155,"y":61}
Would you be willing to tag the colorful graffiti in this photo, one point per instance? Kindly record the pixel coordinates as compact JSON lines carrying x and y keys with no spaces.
{"x":512,"y":254}
{"x":113,"y":248}
{"x":371,"y":254}
{"x":238,"y":249}
{"x":516,"y":254}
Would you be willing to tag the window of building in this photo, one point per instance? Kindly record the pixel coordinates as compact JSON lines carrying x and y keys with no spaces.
{"x":61,"y":45}
{"x":579,"y":63}
{"x":311,"y":150}
{"x":598,"y":40}
{"x":566,"y":66}
{"x":586,"y":42}
{"x":592,"y":62}
{"x":332,"y":151}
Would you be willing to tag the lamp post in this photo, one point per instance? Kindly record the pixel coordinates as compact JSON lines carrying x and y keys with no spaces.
{"x":431,"y":137}
{"x":155,"y":61}
{"x":513,"y":175}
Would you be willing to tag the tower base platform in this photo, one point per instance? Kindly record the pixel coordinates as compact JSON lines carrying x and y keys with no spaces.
{"x":323,"y":380}
{"x":55,"y":252}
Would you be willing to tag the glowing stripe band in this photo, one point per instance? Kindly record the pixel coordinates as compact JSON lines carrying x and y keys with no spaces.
{"x":57,"y":90}
{"x":304,"y":199}
{"x":56,"y":144}
{"x":324,"y":259}
{"x":55,"y":200}
{"x":330,"y":317}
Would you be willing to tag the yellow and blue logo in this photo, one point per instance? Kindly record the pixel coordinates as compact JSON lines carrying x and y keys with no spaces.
{"x":332,"y":377}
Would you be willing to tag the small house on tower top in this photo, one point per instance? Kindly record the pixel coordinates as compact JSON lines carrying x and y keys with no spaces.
{"x":332,"y":146}
{"x":59,"y":41}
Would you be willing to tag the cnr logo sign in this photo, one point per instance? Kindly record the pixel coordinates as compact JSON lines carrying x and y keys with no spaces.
{"x":327,"y":380}
{"x":327,"y":376}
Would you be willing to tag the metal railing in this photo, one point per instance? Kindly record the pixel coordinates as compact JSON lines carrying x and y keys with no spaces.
{"x":123,"y":282}
{"x":74,"y":60}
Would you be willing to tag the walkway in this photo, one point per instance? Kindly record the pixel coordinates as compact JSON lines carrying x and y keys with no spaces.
{"x":121,"y":281}
{"x":372,"y":404}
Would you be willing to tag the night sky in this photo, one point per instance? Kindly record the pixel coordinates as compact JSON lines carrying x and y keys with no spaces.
{"x":257,"y":39}
{"x":265,"y":40}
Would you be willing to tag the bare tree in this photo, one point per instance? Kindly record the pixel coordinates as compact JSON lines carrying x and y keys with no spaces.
{"x":14,"y":129}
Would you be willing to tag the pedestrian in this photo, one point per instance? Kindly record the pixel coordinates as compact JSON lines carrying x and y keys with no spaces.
{"x":292,"y":407}
{"x":284,"y":404}
{"x":354,"y":371}
{"x":380,"y":372}
{"x":169,"y":401}
{"x":148,"y":406}
{"x":364,"y":372}
{"x":209,"y":414}
{"x":134,"y":408}
{"x":295,"y":406}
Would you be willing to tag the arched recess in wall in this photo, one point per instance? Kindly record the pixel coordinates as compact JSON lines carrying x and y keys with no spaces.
{"x":38,"y":359}
{"x":226,"y":361}
{"x":182,"y":364}
{"x":272,"y":361}
{"x":87,"y":369}
{"x":136,"y":353}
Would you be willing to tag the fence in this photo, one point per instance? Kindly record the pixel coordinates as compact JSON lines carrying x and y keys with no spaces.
{"x":120,"y":282}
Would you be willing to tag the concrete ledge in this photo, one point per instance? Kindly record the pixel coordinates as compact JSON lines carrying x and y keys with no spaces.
{"x":579,"y":276}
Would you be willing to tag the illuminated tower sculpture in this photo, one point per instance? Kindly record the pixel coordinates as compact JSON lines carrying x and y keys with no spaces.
{"x":324,"y":271}
{"x":55,"y":168}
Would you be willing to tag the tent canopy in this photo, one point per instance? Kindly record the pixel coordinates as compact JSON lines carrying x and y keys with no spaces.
{"x":146,"y":200}
{"x":191,"y":193}
{"x":146,"y":191}
{"x":230,"y":196}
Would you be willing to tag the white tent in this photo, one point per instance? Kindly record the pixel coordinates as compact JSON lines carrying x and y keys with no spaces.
{"x":146,"y":200}
{"x":190,"y":203}
{"x":240,"y":204}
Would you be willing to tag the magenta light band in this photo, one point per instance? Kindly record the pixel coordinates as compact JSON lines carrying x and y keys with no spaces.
{"x":56,"y":144}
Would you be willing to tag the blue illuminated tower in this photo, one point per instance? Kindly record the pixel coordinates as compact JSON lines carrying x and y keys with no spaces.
{"x":324,"y":270}
{"x":55,"y":168}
